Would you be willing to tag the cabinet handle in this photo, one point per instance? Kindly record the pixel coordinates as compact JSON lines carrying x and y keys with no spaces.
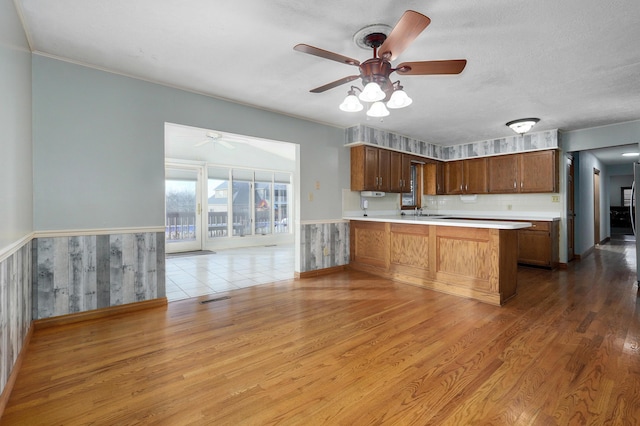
{"x":515,"y":185}
{"x":377,"y":178}
{"x":380,"y":180}
{"x":521,"y":184}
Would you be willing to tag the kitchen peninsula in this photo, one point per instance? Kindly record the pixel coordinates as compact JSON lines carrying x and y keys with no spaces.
{"x":470,"y":258}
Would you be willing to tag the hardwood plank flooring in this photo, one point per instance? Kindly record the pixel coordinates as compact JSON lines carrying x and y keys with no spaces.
{"x":352,"y":349}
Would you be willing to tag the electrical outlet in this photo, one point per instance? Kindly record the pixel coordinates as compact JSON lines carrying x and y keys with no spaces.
{"x":555,"y":198}
{"x":311,"y":196}
{"x":509,"y":206}
{"x":326,"y":251}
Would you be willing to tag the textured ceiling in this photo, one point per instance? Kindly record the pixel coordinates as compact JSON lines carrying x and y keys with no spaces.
{"x":572,"y":63}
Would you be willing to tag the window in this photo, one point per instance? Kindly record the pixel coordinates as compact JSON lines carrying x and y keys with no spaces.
{"x":257,"y":204}
{"x":626,"y":196}
{"x":412,"y":199}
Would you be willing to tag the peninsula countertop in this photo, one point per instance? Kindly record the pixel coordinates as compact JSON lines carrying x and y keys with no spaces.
{"x":442,"y":220}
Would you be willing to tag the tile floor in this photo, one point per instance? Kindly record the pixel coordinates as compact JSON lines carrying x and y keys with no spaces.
{"x":193,"y":276}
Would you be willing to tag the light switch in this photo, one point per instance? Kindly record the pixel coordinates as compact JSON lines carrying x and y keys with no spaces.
{"x":311,"y":196}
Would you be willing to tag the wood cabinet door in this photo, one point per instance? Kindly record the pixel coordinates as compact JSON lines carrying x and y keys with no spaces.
{"x":400,"y":167}
{"x":453,"y":177}
{"x":405,"y":169}
{"x":534,"y":247}
{"x":433,"y":178}
{"x":538,"y":171}
{"x":503,"y":174}
{"x":384,"y":170}
{"x":370,"y":168}
{"x":475,"y":176}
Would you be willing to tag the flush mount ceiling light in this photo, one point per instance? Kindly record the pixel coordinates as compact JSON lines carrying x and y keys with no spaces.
{"x":522,"y":125}
{"x":375,"y":72}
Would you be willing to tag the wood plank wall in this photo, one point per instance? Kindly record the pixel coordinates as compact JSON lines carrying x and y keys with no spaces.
{"x":324,"y":245}
{"x":15,"y":308}
{"x":81,"y":273}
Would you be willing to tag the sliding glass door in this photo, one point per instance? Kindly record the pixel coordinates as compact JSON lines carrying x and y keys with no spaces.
{"x":183,"y":208}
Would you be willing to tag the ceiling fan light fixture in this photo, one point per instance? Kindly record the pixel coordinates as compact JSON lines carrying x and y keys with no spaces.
{"x":522,"y":125}
{"x":351,"y":103}
{"x":399,"y":99}
{"x":378,"y":110}
{"x":372,"y":93}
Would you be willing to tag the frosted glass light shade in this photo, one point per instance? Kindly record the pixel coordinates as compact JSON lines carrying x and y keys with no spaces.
{"x":399,"y":99}
{"x":351,"y":104}
{"x":372,"y":93}
{"x":522,"y":125}
{"x":378,"y":110}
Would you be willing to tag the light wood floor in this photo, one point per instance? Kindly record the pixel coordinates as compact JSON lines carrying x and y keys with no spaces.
{"x":353,"y":349}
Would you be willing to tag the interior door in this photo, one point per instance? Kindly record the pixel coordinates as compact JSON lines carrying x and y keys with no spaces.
{"x":183,"y":208}
{"x":570,"y":210}
{"x":596,"y":206}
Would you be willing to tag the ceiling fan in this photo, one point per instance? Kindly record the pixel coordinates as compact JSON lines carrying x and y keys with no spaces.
{"x":215,"y":138}
{"x":378,"y":69}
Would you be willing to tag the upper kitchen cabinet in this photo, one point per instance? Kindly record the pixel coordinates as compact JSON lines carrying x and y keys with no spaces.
{"x":466,"y":176}
{"x":400,"y":169}
{"x":370,"y":169}
{"x":433,"y":178}
{"x":525,"y":173}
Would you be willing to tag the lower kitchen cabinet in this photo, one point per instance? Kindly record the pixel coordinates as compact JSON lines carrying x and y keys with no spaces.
{"x":538,"y":245}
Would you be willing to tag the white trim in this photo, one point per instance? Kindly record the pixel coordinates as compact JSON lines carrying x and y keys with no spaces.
{"x":109,"y":231}
{"x":9,"y":250}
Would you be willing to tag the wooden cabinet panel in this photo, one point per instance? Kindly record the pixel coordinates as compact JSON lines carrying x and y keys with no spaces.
{"x":475,"y":176}
{"x":433,"y":178}
{"x":384,"y":170}
{"x":538,"y":171}
{"x":527,"y":172}
{"x":503,"y":174}
{"x":400,"y":172}
{"x":453,"y":177}
{"x":370,"y":243}
{"x":469,"y":262}
{"x":538,"y":245}
{"x":370,"y":169}
{"x":466,"y":176}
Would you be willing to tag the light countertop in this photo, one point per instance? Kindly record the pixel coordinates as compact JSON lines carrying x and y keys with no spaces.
{"x":444,"y":220}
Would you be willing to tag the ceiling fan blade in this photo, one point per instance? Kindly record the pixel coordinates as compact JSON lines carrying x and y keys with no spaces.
{"x":410,"y":25}
{"x":334,"y":84}
{"x":305,"y":48}
{"x":202,"y":142}
{"x":454,"y":66}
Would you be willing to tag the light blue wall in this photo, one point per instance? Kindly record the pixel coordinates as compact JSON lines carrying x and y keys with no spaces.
{"x":99,"y":147}
{"x":601,"y":137}
{"x":579,"y":142}
{"x":15,"y":121}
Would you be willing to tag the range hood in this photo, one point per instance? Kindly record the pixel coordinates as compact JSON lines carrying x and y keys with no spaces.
{"x":372,"y":194}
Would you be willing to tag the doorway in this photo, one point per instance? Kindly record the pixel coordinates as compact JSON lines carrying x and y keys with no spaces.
{"x":183,"y":208}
